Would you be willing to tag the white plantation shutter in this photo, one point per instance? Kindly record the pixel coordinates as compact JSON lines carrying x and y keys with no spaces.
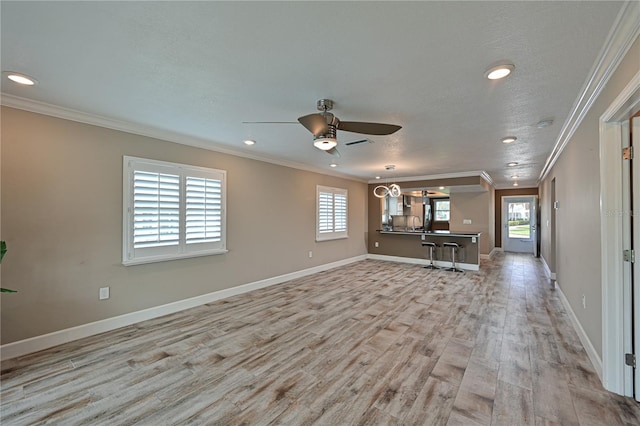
{"x":325,"y":212}
{"x":340,"y":212}
{"x":156,"y":209}
{"x":204,"y":210}
{"x":171,"y":211}
{"x":331,"y":213}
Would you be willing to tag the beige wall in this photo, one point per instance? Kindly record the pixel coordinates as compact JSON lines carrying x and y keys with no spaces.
{"x":478,"y":207}
{"x":62,"y":220}
{"x":577,"y":259}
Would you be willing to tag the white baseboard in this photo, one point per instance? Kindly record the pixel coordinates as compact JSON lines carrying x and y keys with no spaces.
{"x":491,"y":254}
{"x":547,"y":270}
{"x":38,"y":343}
{"x":588,"y":346}
{"x":424,"y":262}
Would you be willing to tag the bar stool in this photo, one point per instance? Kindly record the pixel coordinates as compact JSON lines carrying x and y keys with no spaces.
{"x":454,"y":247}
{"x":432,"y":246}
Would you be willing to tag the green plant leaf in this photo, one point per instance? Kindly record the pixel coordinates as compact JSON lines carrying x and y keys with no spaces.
{"x":7,"y":290}
{"x":3,"y":249}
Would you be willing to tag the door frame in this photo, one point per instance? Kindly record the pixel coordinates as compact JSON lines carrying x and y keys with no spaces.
{"x":533,"y":219}
{"x":616,"y":376}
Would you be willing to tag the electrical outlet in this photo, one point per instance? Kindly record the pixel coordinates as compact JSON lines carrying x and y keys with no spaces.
{"x":310,"y":254}
{"x":104,"y":293}
{"x":377,"y":244}
{"x":584,"y":302}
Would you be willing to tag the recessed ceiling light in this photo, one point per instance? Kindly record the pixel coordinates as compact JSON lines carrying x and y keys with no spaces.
{"x":333,"y":165}
{"x":499,"y":71}
{"x":509,"y":139}
{"x":442,"y":187}
{"x":515,"y":183}
{"x":515,"y":177}
{"x":22,"y":79}
{"x":512,"y":164}
{"x":390,"y":167}
{"x":249,"y":142}
{"x":544,"y":123}
{"x":377,"y":177}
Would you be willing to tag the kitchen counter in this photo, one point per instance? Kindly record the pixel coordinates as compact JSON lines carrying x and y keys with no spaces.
{"x":434,"y":233}
{"x":403,"y":244}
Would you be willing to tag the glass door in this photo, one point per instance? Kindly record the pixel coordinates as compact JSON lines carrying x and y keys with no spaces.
{"x":519,"y":224}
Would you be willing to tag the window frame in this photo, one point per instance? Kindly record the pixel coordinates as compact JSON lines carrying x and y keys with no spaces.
{"x":333,"y":234}
{"x":435,"y":209}
{"x":181,"y":250}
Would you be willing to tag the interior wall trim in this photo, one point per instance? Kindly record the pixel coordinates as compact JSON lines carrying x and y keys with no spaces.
{"x":623,"y":34}
{"x":547,"y":270}
{"x":588,"y":346}
{"x":38,"y":343}
{"x":418,"y":261}
{"x":616,"y":339}
{"x":473,"y":173}
{"x":491,"y":254}
{"x":51,"y":110}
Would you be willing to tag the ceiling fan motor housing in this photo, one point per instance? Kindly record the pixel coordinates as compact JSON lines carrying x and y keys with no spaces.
{"x":329,"y":133}
{"x":324,"y":104}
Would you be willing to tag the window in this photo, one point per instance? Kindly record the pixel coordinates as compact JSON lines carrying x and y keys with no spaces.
{"x":331,"y":221}
{"x":442,"y":211}
{"x":171,"y":211}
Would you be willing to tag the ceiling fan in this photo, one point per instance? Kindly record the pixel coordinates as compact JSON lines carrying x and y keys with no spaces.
{"x":324,"y":126}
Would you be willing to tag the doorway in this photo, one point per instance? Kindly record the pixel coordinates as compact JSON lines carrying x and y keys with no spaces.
{"x":519,"y":224}
{"x":620,"y":198}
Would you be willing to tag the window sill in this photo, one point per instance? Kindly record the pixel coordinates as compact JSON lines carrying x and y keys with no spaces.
{"x":166,"y":258}
{"x":329,"y":238}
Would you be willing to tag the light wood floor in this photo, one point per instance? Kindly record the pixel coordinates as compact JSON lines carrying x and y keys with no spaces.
{"x":370,"y":343}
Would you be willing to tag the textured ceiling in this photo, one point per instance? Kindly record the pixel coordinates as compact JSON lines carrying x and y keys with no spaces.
{"x":200,"y":69}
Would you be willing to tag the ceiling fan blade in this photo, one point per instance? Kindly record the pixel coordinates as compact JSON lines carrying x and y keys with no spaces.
{"x":269,"y":122}
{"x":368,"y":128}
{"x":315,"y":123}
{"x":360,"y":141}
{"x":333,"y":151}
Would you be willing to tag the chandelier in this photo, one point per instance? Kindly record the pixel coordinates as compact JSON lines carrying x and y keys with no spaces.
{"x":392,"y":190}
{"x":382,"y":191}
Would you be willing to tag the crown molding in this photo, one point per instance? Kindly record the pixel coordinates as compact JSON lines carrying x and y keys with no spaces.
{"x":51,"y":110}
{"x":479,"y":173}
{"x":623,"y":34}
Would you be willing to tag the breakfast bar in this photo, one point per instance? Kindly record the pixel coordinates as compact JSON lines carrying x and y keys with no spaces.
{"x":408,"y":244}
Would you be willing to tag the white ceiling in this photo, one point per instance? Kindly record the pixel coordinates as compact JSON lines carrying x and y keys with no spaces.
{"x":199,"y":69}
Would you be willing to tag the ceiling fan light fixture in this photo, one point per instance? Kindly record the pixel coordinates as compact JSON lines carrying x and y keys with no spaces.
{"x":325,"y":143}
{"x":499,"y":71}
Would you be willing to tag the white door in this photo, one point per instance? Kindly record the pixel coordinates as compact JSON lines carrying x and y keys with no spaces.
{"x":519,"y":224}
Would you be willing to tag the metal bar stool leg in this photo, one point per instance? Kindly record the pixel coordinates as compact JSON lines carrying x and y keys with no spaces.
{"x":454,"y":248}
{"x":432,"y":246}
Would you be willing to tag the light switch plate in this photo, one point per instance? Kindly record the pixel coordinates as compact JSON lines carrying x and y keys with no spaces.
{"x":466,"y":221}
{"x":104,"y":293}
